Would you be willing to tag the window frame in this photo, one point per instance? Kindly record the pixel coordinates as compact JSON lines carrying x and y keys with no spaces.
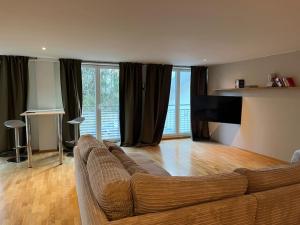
{"x":98,"y":68}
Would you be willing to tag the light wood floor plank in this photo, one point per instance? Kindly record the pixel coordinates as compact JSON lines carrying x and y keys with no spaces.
{"x":45,"y":194}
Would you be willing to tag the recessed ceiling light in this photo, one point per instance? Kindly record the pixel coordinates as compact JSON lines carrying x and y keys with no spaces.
{"x":44,"y":48}
{"x":204,"y":60}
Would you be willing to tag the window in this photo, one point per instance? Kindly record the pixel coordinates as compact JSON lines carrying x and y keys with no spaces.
{"x":100,"y":86}
{"x":178,"y":116}
{"x":170,"y":124}
{"x":89,"y":100}
{"x":100,"y":101}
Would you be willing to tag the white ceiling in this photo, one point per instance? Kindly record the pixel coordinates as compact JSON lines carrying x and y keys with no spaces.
{"x":165,"y":31}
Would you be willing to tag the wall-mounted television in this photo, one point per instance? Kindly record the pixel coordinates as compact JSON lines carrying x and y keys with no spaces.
{"x":222,"y":109}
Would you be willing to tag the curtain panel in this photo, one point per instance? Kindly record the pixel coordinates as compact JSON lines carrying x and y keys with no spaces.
{"x":13,"y":96}
{"x":200,"y":129}
{"x":71,"y":90}
{"x":156,"y":100}
{"x":130,"y":102}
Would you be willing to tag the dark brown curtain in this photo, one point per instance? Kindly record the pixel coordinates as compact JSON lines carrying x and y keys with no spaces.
{"x":13,"y":96}
{"x":71,"y":90}
{"x":200,"y":130}
{"x":155,"y":106}
{"x":130,"y":100}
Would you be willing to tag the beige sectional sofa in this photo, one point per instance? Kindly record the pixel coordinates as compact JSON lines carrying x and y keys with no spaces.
{"x":114,"y":188}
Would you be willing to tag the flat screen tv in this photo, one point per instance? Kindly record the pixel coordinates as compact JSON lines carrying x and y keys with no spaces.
{"x":222,"y":109}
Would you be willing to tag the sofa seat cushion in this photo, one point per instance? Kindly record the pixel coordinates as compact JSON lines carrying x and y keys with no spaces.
{"x":110,"y":183}
{"x":149,"y":165}
{"x":135,"y":162}
{"x":270,"y":178}
{"x":157,"y":193}
{"x":86,"y":144}
{"x":130,"y":165}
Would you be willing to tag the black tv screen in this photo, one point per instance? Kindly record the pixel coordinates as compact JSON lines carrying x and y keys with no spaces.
{"x":222,"y":109}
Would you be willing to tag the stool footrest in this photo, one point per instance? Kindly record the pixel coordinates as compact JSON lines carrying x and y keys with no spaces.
{"x":20,"y":147}
{"x":71,"y":142}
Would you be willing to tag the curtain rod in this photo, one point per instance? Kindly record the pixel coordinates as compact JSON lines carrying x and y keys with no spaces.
{"x":117,"y":63}
{"x":111,"y":63}
{"x":44,"y":60}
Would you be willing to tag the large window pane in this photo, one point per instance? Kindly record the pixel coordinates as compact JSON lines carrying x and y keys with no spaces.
{"x":109,"y":103}
{"x":184,"y":106}
{"x":100,"y":101}
{"x":178,"y":116}
{"x":170,"y":124}
{"x":89,"y":100}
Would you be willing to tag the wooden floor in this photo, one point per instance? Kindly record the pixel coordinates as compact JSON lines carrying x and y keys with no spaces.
{"x":45,"y":194}
{"x":183,"y":157}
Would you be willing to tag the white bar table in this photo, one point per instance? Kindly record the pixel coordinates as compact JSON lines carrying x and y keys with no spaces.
{"x":36,"y":112}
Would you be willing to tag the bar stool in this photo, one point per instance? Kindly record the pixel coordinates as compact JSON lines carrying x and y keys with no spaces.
{"x":76,"y":123}
{"x":16,"y":124}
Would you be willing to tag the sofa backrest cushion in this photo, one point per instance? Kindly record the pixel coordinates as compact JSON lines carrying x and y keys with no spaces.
{"x":270,"y":178}
{"x":110,"y":183}
{"x":86,"y":144}
{"x":156,"y":193}
{"x":130,"y":165}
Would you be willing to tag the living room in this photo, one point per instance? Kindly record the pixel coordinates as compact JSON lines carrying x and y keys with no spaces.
{"x":150,"y":112}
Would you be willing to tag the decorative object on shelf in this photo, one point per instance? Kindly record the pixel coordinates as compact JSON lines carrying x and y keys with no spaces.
{"x":291,"y":82}
{"x":279,"y":82}
{"x":240,"y":83}
{"x":271,"y":80}
{"x":275,"y":80}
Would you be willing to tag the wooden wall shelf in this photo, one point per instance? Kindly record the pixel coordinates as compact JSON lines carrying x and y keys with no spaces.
{"x":257,"y":88}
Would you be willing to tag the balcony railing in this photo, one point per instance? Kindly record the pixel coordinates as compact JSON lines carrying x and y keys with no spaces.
{"x":184,"y":120}
{"x":110,"y":126}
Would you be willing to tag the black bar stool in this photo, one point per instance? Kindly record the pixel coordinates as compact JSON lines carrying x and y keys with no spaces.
{"x":16,"y":125}
{"x":76,"y":123}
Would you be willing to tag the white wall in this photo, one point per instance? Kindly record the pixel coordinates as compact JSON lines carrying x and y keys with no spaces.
{"x":44,"y":93}
{"x":270,"y":118}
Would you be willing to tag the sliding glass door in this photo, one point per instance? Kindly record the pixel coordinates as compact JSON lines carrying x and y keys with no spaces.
{"x":170,"y":124}
{"x":184,"y":109}
{"x":101,"y":101}
{"x":108,"y":112}
{"x":178,"y":116}
{"x":89,"y":105}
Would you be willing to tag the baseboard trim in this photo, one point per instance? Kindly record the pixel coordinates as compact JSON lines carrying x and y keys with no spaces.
{"x":175,"y":137}
{"x":44,"y":151}
{"x":265,"y":156}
